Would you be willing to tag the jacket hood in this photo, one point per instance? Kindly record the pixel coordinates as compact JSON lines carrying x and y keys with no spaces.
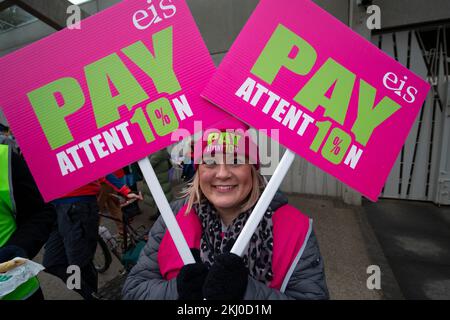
{"x":278,"y":201}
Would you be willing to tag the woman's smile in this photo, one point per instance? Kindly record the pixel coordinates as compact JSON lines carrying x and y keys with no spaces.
{"x":224,"y":188}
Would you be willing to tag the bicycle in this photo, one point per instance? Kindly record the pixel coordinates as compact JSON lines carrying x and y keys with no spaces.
{"x":126,"y":250}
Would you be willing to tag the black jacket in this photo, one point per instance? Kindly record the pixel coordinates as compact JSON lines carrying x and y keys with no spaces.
{"x":34,"y":218}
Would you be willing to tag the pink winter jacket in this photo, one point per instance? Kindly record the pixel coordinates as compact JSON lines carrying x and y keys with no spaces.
{"x":297,"y":263}
{"x":290,"y":229}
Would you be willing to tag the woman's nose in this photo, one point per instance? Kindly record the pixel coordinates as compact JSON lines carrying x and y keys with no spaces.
{"x":223,"y":171}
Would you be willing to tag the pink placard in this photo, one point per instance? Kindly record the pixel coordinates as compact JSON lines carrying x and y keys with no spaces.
{"x":338,"y":101}
{"x":83,"y":103}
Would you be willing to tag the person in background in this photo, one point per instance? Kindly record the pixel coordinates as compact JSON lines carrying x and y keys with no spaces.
{"x":25,"y":219}
{"x":131,"y":176}
{"x":188,"y":167}
{"x":282,"y":260}
{"x":110,"y":204}
{"x":7,"y":138}
{"x":73,"y":240}
{"x":160,"y":162}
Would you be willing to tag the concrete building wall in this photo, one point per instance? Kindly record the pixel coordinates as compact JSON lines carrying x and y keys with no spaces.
{"x":34,"y":31}
{"x":402,"y":13}
{"x":20,"y":37}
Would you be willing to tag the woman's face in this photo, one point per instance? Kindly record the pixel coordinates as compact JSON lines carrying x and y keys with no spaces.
{"x":226,"y":186}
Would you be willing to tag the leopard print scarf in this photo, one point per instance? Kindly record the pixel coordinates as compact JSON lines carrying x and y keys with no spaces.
{"x":215,"y":240}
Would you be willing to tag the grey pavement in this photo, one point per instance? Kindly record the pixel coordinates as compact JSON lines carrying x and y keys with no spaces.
{"x":415,"y":238}
{"x":342,"y":238}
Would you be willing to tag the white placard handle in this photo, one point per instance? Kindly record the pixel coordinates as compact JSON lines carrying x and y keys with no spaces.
{"x":263,"y":203}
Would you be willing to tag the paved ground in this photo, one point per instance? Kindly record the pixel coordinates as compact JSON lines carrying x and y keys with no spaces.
{"x":415,"y":237}
{"x":343,"y":239}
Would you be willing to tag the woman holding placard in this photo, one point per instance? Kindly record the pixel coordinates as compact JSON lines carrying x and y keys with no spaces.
{"x":282,"y":260}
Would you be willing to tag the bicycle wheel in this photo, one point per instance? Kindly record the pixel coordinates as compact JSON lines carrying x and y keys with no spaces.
{"x":102,"y":258}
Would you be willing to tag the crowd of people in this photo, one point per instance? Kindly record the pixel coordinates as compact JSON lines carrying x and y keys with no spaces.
{"x":222,"y":186}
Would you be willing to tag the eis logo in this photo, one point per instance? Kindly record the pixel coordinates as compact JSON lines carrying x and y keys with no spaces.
{"x":400,"y":87}
{"x":155,"y":13}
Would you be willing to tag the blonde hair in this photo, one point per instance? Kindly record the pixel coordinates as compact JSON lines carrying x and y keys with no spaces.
{"x":194,"y":193}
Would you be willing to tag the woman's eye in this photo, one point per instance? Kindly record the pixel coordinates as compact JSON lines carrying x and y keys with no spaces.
{"x":209,"y":162}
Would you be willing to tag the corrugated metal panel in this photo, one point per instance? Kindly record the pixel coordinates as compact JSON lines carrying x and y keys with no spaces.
{"x":305,"y":178}
{"x":416,"y":172}
{"x":443,"y":188}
